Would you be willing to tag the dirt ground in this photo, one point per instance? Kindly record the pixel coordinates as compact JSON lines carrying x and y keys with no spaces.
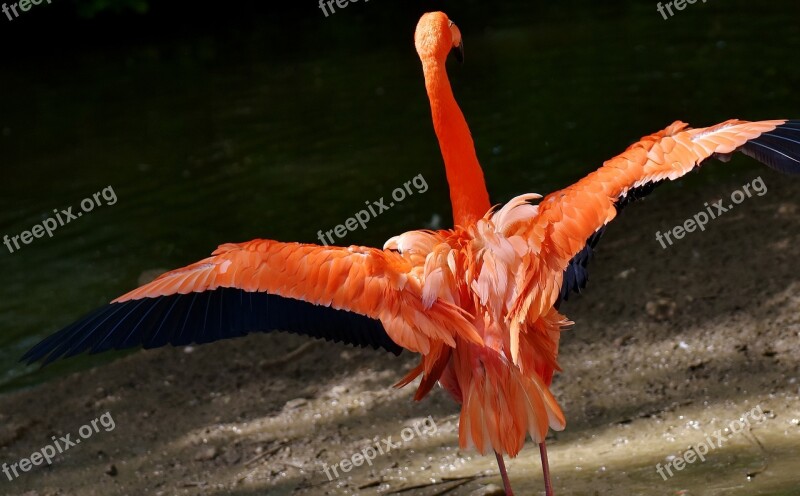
{"x":669,"y":346}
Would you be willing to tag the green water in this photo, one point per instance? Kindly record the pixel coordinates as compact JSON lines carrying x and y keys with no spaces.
{"x":280,"y":131}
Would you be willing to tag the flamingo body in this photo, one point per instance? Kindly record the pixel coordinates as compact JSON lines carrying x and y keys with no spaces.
{"x":478,"y":302}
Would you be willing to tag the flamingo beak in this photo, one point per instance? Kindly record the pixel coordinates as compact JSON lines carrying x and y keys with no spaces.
{"x":458,"y":42}
{"x":459,"y":52}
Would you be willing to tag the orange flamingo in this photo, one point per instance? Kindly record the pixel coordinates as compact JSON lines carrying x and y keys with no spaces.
{"x":478,"y":302}
{"x":436,"y":36}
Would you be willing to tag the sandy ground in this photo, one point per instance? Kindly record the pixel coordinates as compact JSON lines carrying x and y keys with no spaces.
{"x":670,"y":345}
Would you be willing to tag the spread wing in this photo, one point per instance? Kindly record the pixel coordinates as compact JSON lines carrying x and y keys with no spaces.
{"x":574,"y":218}
{"x":361,"y":296}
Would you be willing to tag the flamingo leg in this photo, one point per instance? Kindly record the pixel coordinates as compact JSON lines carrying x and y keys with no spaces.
{"x":504,"y":474}
{"x":548,"y":486}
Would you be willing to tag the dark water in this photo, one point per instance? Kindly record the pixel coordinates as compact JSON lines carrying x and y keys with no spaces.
{"x":281,"y":130}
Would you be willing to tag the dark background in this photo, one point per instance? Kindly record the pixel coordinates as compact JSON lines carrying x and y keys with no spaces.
{"x":225,"y":121}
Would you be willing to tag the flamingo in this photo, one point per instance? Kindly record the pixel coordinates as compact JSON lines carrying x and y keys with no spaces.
{"x":435,"y":38}
{"x":479,"y":303}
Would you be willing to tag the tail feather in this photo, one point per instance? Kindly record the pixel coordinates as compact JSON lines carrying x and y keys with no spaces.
{"x":431,"y":367}
{"x":502,"y":406}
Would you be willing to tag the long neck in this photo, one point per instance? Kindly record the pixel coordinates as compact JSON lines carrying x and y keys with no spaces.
{"x":468,"y":195}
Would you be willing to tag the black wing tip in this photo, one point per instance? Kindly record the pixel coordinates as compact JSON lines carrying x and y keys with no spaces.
{"x":228,"y":313}
{"x":576,"y":275}
{"x":778,"y":149}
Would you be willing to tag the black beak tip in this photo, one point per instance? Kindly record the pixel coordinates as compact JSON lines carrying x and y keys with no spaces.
{"x":459,"y":51}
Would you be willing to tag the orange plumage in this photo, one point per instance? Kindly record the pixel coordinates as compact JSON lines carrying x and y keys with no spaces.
{"x":478,"y":302}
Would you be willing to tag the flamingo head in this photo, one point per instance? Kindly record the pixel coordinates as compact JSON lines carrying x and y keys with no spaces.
{"x":437,"y":36}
